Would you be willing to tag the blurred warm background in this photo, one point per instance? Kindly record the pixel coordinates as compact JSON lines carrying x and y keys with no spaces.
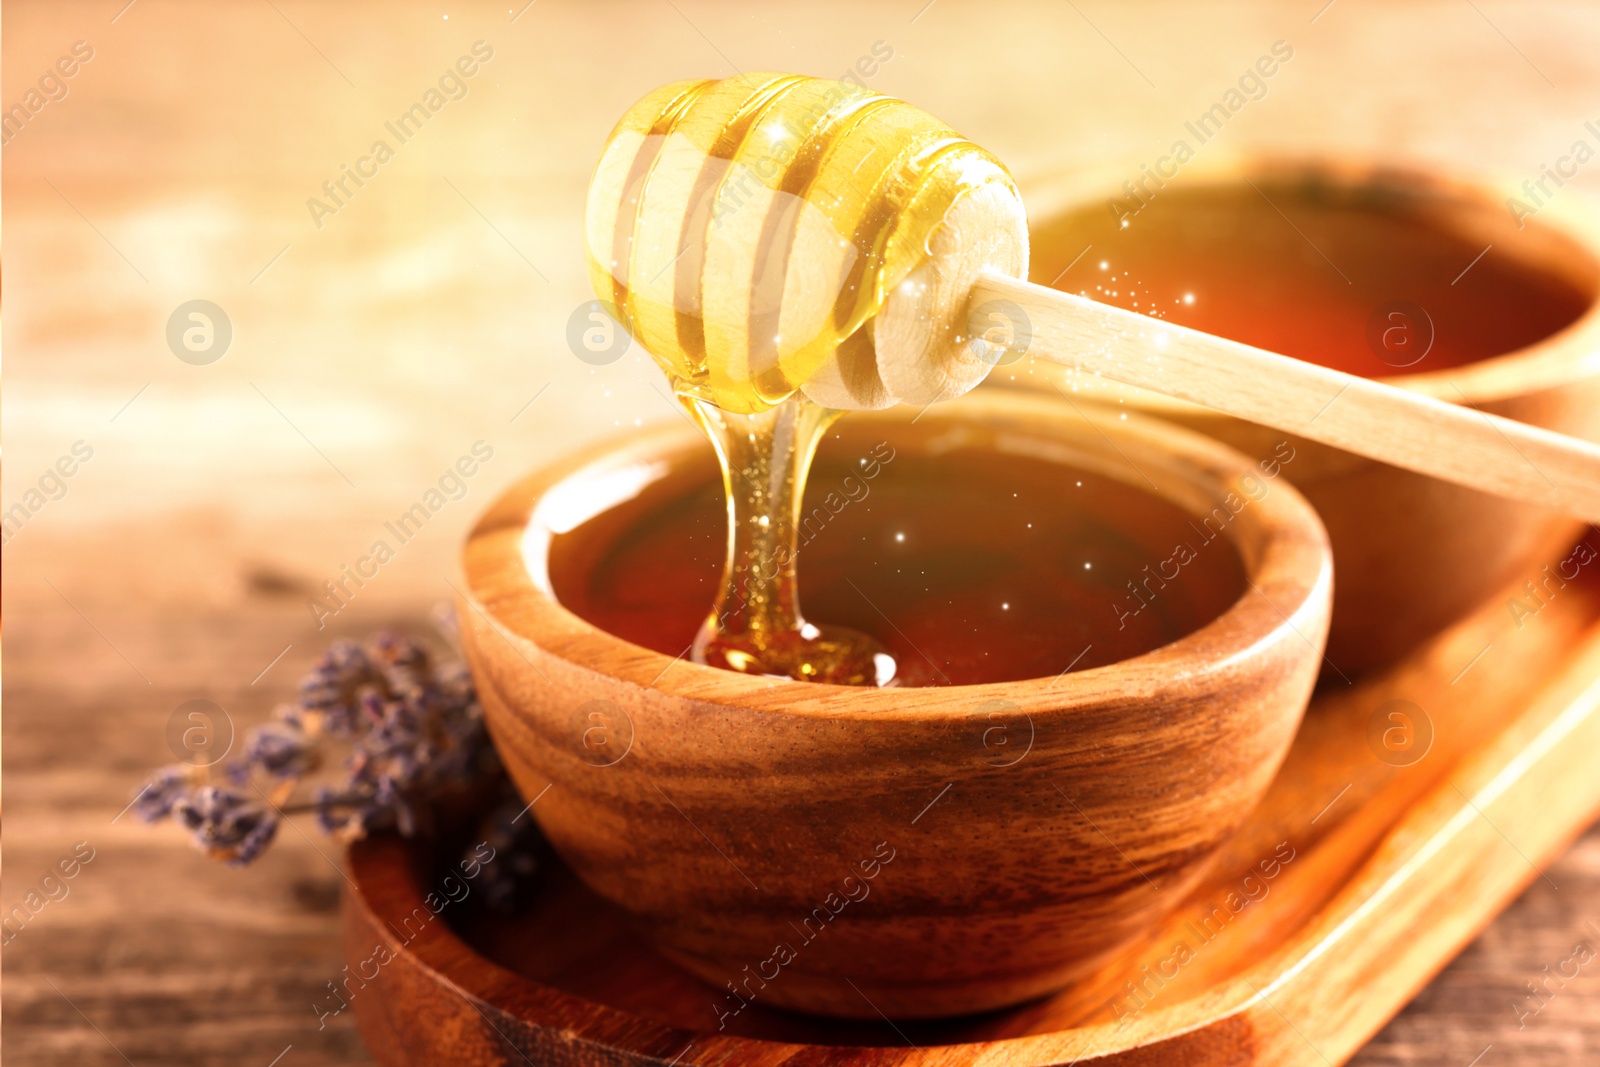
{"x":373,"y":345}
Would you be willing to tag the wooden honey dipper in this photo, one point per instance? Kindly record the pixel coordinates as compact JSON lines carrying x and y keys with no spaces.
{"x":770,"y":233}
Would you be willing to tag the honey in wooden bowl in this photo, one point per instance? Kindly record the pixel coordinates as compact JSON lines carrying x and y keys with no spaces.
{"x":1422,"y":280}
{"x":967,"y":568}
{"x":988,"y":826}
{"x":1082,"y":641}
{"x":1315,"y":285}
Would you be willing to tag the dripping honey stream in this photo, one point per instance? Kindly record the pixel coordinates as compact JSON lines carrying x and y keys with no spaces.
{"x":747,"y":232}
{"x":756,"y":625}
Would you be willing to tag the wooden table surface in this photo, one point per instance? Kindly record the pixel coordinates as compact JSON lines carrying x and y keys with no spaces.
{"x":375,"y":343}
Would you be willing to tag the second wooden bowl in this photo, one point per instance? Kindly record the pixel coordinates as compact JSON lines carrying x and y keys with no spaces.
{"x":867,"y":852}
{"x":1421,"y":279}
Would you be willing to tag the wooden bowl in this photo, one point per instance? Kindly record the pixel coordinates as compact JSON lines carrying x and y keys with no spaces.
{"x":866,"y":852}
{"x":1411,"y":554}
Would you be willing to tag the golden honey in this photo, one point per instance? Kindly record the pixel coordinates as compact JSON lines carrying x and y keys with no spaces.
{"x":745,"y":230}
{"x":970,"y":566}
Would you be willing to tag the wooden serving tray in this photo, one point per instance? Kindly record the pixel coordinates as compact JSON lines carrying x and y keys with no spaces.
{"x":1383,"y":847}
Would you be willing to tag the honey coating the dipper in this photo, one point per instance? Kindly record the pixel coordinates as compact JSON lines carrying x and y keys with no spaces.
{"x":785,"y":247}
{"x":749,"y":231}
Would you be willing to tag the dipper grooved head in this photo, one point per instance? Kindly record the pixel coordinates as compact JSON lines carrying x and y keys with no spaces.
{"x":770,"y":233}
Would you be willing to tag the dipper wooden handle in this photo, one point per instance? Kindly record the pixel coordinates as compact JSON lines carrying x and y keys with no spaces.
{"x":1456,"y":444}
{"x":771,"y":233}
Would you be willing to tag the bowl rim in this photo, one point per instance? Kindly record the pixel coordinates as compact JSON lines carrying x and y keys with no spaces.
{"x":1571,"y":353}
{"x":1279,"y":538}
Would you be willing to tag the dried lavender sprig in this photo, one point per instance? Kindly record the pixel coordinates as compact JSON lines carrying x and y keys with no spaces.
{"x":410,"y":727}
{"x":514,"y":836}
{"x":225,"y":824}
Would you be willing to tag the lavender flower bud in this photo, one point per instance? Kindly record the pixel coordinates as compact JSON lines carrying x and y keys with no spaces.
{"x":164,"y":789}
{"x":280,"y":751}
{"x":225,"y":824}
{"x":254,"y":842}
{"x":333,"y":821}
{"x":389,"y":807}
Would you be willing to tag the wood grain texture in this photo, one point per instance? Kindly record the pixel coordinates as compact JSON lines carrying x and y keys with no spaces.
{"x":179,"y":961}
{"x":414,"y":322}
{"x":1033,"y":869}
{"x":1413,"y":553}
{"x":1377,"y":882}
